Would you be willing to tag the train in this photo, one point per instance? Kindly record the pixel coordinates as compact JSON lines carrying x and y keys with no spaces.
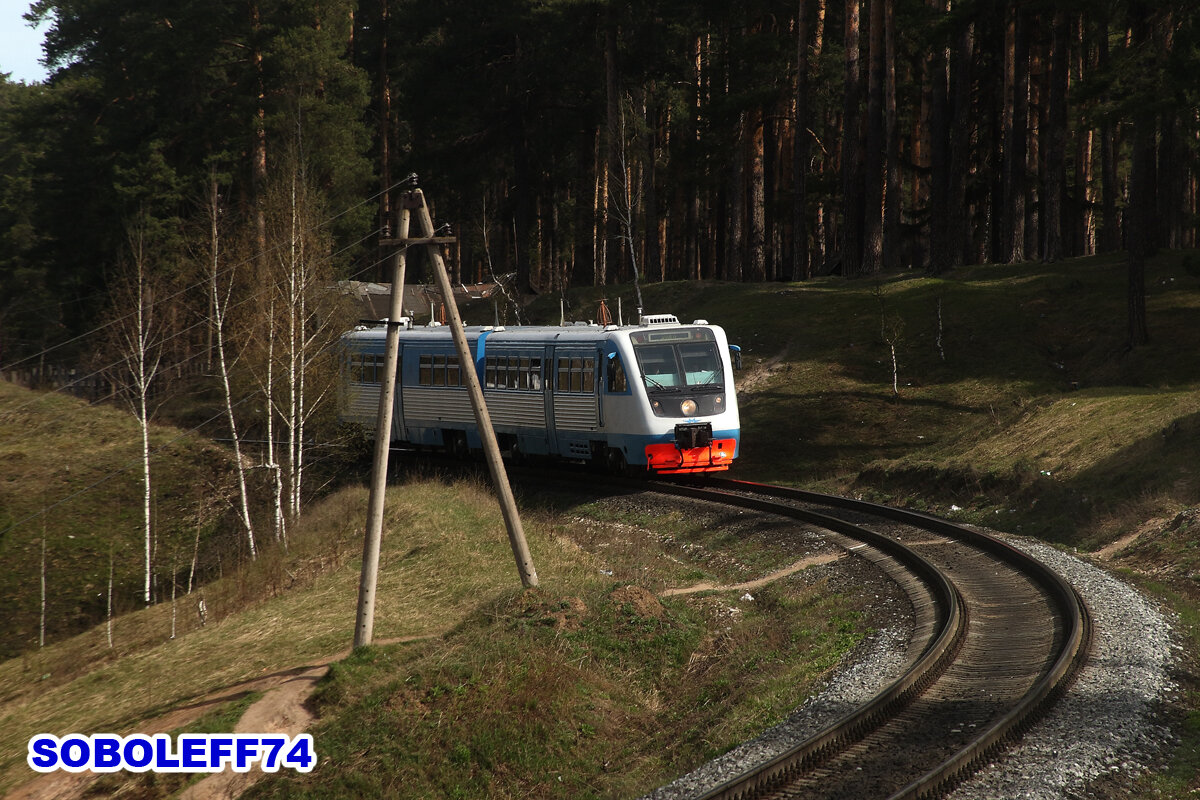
{"x":653,"y":397}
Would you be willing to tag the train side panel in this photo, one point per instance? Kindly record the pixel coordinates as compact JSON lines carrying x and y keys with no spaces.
{"x":661,"y":398}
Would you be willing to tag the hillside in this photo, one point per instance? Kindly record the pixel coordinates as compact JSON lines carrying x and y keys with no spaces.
{"x":490,"y":682}
{"x":1017,"y":407}
{"x":71,"y":473}
{"x":1017,"y":399}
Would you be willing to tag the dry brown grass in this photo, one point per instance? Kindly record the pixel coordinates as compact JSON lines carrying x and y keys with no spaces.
{"x":444,"y":552}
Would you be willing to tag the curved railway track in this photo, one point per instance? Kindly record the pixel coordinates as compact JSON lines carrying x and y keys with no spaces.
{"x":999,"y":637}
{"x":1002,"y":637}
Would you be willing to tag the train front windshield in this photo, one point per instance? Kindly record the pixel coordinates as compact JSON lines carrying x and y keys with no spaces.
{"x":678,"y":359}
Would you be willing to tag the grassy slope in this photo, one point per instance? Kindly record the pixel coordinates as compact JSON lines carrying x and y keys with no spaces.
{"x":73,"y":473}
{"x":500,"y":684}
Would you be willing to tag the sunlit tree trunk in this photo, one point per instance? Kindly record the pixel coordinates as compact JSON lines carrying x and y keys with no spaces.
{"x":139,"y":340}
{"x":219,"y":303}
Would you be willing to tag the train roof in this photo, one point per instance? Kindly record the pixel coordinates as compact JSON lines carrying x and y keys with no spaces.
{"x":577,"y":331}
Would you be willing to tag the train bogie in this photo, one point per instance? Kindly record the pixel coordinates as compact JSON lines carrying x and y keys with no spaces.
{"x":658,"y":395}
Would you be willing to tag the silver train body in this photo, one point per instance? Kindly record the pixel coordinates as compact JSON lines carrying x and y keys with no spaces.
{"x":658,"y":395}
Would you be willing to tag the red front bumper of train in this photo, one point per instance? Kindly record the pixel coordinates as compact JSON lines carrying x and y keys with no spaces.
{"x":668,"y":459}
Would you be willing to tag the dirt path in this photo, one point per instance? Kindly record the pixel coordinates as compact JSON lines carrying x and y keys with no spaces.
{"x":280,"y":710}
{"x":757,"y":583}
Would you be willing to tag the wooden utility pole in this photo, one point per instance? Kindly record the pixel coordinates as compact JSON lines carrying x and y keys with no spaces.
{"x":483,"y":420}
{"x":383,"y":439}
{"x":415,"y":201}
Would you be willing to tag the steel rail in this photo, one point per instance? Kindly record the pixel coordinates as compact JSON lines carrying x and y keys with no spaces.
{"x":1071,"y":654}
{"x":938,"y":653}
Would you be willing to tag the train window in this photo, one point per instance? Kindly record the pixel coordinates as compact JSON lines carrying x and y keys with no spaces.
{"x":523,"y":374}
{"x":514,"y":369}
{"x":425,"y":376}
{"x":535,"y":374}
{"x":453,"y":374}
{"x":658,"y":365}
{"x":439,"y":370}
{"x":617,"y":382}
{"x":701,"y":366}
{"x":589,"y":375}
{"x":576,"y":374}
{"x":695,"y":363}
{"x":489,"y":364}
{"x":564,"y":374}
{"x":372,"y":369}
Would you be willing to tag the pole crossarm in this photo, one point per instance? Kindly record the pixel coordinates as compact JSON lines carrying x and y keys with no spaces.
{"x":419,"y":240}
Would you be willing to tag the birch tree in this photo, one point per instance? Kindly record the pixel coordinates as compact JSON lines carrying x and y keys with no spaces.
{"x":219,"y":303}
{"x":293,"y":373}
{"x":138,"y":332}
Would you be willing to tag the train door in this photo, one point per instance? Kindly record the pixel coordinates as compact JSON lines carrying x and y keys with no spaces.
{"x":614,"y":388}
{"x":576,"y":402}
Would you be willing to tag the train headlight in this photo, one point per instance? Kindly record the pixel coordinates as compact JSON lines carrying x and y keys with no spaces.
{"x":688,"y":407}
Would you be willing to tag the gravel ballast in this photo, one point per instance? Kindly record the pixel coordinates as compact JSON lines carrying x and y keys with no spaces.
{"x":1105,"y":726}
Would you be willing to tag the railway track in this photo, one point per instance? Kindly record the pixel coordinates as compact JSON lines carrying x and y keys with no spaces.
{"x":1000,"y":637}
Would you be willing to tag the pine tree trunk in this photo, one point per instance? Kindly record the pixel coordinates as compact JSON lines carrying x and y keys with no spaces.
{"x":874,"y":168}
{"x":612,"y":256}
{"x":852,"y":154}
{"x":959,"y":250}
{"x":1140,"y":216}
{"x":1016,"y":138}
{"x":258,"y":165}
{"x":940,"y":258}
{"x":1110,"y":227}
{"x":1056,"y":172}
{"x":758,"y":223}
{"x":385,"y":116}
{"x":801,"y":266}
{"x":892,"y":184}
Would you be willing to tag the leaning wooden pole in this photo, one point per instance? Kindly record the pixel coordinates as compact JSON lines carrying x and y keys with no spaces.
{"x":483,"y":420}
{"x":383,"y":439}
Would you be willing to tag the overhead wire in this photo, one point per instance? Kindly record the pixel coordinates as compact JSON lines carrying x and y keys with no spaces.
{"x":134,"y":462}
{"x":204,"y":321}
{"x":319,"y":226}
{"x":253,"y":296}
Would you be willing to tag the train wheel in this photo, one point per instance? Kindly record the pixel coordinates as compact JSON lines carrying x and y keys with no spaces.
{"x":458,"y":444}
{"x":616,"y":462}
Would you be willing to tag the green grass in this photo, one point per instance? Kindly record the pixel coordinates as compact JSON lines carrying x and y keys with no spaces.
{"x":73,"y":473}
{"x":514,"y":704}
{"x":490,"y":680}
